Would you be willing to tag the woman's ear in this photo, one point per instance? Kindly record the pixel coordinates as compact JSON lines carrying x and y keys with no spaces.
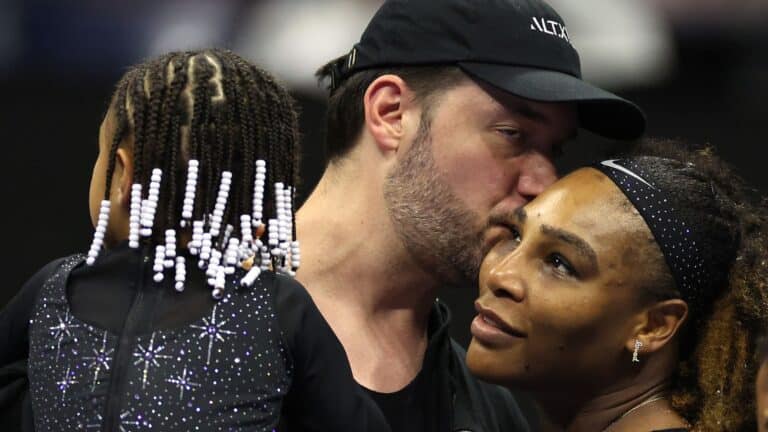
{"x":385,"y":101}
{"x":123,"y":176}
{"x":659,"y":324}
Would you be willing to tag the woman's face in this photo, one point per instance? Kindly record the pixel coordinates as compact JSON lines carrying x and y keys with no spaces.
{"x":560,"y":286}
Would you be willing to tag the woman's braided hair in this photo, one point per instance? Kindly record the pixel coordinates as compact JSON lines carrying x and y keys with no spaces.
{"x":714,"y":385}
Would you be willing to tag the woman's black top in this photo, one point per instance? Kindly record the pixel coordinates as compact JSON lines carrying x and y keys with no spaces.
{"x":110,"y":349}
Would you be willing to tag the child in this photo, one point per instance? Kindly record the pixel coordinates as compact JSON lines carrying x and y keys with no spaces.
{"x":196,"y":149}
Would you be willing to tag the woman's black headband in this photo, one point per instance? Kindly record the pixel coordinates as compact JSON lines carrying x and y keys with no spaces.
{"x":683,"y":246}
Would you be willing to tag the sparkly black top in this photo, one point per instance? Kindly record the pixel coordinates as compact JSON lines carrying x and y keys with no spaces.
{"x":111,"y":350}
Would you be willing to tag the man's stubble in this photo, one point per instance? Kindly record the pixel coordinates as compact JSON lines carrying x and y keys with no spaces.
{"x":438,"y":230}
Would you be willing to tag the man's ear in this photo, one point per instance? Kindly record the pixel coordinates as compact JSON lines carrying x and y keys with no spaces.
{"x":385,"y":102}
{"x":658,"y":325}
{"x":123,"y":176}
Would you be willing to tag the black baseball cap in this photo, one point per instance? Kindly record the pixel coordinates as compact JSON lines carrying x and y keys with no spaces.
{"x":519,"y":46}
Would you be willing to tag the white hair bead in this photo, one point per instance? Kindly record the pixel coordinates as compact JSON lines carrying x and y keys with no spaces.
{"x":170,"y":244}
{"x":214,"y":263}
{"x":205,"y":248}
{"x":149,"y":205}
{"x":134,"y":218}
{"x":98,"y":235}
{"x":231,"y":254}
{"x":258,"y":190}
{"x":273,"y":229}
{"x":219,"y":282}
{"x":221,"y":202}
{"x":250,"y":277}
{"x":181,"y":273}
{"x":246,"y":230}
{"x":159,"y":264}
{"x":265,"y":258}
{"x":197,"y":237}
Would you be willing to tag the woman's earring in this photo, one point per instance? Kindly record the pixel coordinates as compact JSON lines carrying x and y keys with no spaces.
{"x":638,"y":345}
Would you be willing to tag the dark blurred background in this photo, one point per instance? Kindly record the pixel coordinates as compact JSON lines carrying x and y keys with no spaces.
{"x":699,"y":68}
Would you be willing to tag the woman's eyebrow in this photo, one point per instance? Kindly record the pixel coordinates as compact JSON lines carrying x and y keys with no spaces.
{"x":577,"y":242}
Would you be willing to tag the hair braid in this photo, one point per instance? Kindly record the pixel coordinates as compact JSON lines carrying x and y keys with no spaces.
{"x":242,"y":109}
{"x":200,"y":127}
{"x":184,"y":118}
{"x":240,"y":112}
{"x":137,"y":103}
{"x":172,"y":124}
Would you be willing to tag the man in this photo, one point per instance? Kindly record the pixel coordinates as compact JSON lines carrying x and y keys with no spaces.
{"x":445,"y":114}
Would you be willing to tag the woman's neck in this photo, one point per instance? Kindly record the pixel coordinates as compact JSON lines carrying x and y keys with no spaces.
{"x":578,"y":411}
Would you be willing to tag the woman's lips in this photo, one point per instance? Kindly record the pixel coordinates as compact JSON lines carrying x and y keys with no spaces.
{"x":488,"y":328}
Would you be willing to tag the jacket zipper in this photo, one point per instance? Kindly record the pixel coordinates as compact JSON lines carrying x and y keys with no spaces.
{"x":123,"y":354}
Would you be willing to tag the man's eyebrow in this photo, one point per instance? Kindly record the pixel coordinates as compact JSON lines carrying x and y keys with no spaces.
{"x":575,"y":241}
{"x":525,"y":110}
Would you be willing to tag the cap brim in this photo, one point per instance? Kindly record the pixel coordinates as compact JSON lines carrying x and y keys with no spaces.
{"x":600,"y":111}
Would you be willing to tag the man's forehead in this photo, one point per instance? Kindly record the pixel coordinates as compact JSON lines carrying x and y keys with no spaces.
{"x":548,"y":113}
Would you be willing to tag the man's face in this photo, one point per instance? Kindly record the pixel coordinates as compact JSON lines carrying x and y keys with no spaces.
{"x":478,"y":152}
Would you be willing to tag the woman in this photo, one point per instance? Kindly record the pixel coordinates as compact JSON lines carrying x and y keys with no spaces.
{"x":627,"y":296}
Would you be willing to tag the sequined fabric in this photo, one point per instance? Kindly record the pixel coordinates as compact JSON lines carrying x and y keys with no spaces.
{"x":227,"y":371}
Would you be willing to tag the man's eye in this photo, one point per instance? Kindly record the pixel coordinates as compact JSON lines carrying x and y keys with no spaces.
{"x":509,"y":133}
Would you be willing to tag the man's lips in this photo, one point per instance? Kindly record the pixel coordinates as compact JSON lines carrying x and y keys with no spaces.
{"x":488,"y":327}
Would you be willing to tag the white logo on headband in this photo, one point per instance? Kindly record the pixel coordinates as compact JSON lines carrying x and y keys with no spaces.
{"x":612,"y":164}
{"x":550,"y":27}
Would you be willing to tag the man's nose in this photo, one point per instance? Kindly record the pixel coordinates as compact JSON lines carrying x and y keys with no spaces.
{"x":537,"y":172}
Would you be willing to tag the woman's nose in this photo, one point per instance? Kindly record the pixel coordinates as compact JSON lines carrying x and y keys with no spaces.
{"x":505,"y":278}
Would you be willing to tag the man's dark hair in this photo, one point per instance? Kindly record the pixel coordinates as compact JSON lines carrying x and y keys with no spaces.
{"x":345,"y":113}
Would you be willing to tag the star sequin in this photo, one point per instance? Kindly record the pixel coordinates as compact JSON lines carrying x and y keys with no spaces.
{"x":213,"y":330}
{"x":125,"y":422}
{"x":62,"y":329}
{"x":66,"y":382}
{"x":97,"y":424}
{"x":182,"y":382}
{"x":149,"y":357}
{"x":99,"y":359}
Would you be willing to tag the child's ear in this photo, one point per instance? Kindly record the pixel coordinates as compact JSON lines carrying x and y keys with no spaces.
{"x":124,"y":176}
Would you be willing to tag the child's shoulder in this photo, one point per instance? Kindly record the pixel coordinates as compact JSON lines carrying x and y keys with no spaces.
{"x":48,"y":270}
{"x":286,"y":286}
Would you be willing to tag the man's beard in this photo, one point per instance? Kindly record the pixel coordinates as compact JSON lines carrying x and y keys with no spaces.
{"x":436,"y":227}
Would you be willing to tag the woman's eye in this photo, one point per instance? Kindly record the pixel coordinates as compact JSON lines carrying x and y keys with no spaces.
{"x":514,"y":234}
{"x":561,"y":265}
